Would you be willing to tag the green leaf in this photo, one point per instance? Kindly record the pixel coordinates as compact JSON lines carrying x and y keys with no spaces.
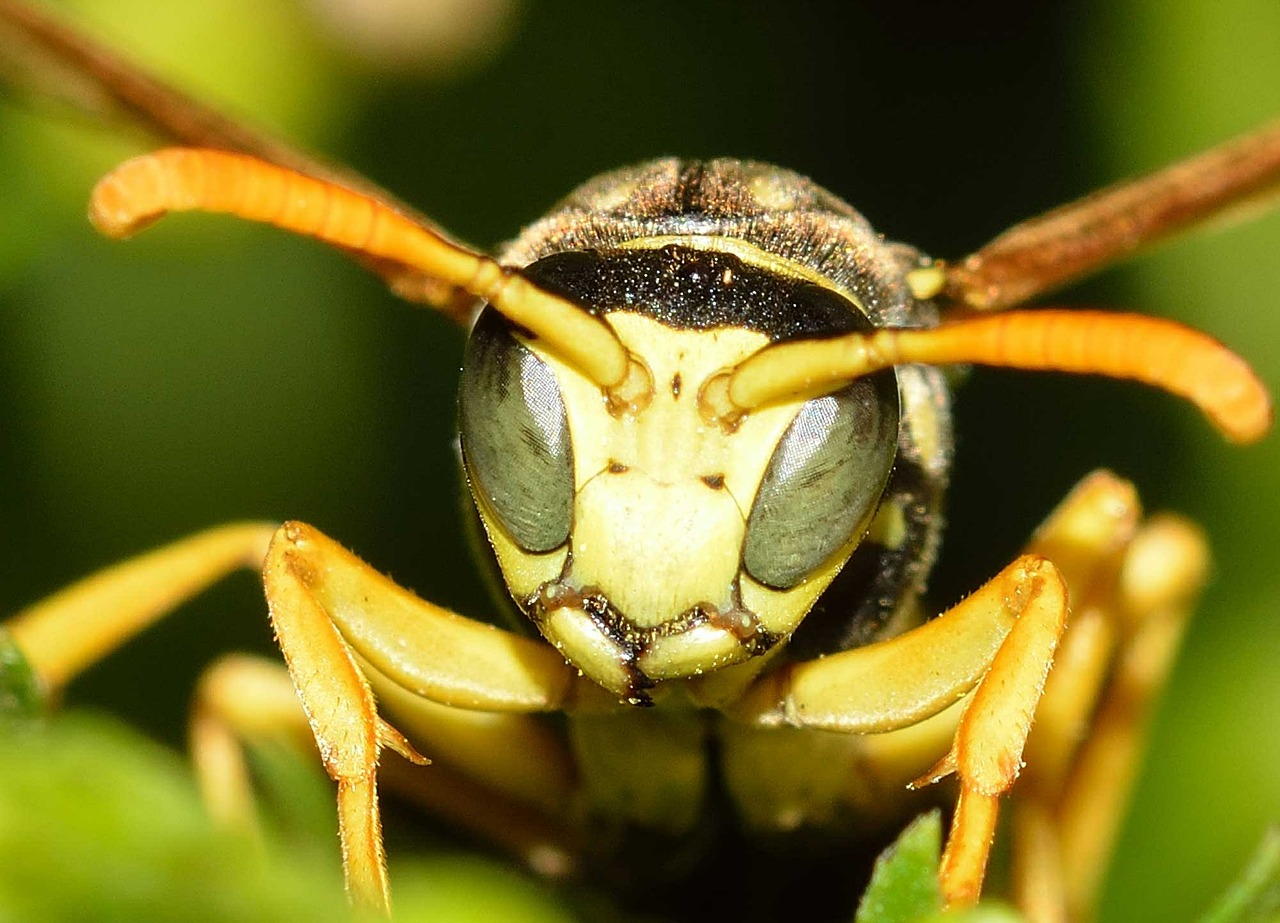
{"x":904,"y":883}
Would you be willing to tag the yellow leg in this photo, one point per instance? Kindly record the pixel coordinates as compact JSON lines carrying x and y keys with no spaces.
{"x":331,"y":613}
{"x":81,"y":624}
{"x":334,"y":618}
{"x":1163,"y":571}
{"x":239,"y":697}
{"x":505,"y":777}
{"x":998,"y":643}
{"x":1036,"y":867}
{"x":1132,"y":585}
{"x":987,"y":753}
{"x":548,"y":844}
{"x":1087,"y":538}
{"x":340,"y":709}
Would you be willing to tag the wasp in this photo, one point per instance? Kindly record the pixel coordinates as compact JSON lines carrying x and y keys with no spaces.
{"x":611,"y":407}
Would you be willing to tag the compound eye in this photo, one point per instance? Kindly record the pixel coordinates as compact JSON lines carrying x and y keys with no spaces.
{"x":515,"y":436}
{"x":824,"y":481}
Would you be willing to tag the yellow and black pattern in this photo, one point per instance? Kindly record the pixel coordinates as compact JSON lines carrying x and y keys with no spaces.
{"x":729,"y":245}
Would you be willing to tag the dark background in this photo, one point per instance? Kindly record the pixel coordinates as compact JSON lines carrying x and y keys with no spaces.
{"x":211,"y":370}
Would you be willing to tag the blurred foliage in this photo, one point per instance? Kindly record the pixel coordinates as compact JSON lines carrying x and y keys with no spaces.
{"x":211,"y":370}
{"x":98,"y":824}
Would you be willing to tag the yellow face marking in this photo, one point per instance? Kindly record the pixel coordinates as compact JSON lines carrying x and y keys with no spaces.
{"x":588,"y":648}
{"x":651,"y":587}
{"x":648,"y":530}
{"x":779,"y":611}
{"x":691,"y":653}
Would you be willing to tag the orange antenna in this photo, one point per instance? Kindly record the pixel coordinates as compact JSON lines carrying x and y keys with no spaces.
{"x":1171,"y":356}
{"x":143,"y":190}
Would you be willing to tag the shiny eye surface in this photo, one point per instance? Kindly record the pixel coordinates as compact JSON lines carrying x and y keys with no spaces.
{"x":824,"y":481}
{"x":515,"y":437}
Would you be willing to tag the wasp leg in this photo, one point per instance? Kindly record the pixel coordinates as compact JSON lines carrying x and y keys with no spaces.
{"x":998,"y":643}
{"x":239,"y":697}
{"x":79,"y":625}
{"x":1086,"y":537}
{"x":785,"y":779}
{"x":1131,"y":585}
{"x":987,"y":752}
{"x":331,"y":613}
{"x":505,"y":777}
{"x":1162,"y":575}
{"x":514,"y":754}
{"x":544,"y":843}
{"x":1132,"y":618}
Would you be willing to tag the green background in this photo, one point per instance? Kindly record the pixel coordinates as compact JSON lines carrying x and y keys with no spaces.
{"x":211,"y":370}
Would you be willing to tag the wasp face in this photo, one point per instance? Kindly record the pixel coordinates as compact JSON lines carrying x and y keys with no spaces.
{"x":652,"y":545}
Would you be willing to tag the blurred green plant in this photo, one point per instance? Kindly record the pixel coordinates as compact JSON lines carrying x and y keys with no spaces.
{"x":99,"y":824}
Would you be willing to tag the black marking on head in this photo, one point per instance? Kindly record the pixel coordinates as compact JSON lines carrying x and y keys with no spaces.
{"x":617,"y":467}
{"x":775,"y":210}
{"x":688,"y":288}
{"x":714,"y":481}
{"x":676,"y":384}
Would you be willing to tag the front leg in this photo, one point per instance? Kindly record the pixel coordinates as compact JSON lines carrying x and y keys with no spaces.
{"x":334,"y":618}
{"x":330,"y":611}
{"x":1131,"y":584}
{"x":998,"y":645}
